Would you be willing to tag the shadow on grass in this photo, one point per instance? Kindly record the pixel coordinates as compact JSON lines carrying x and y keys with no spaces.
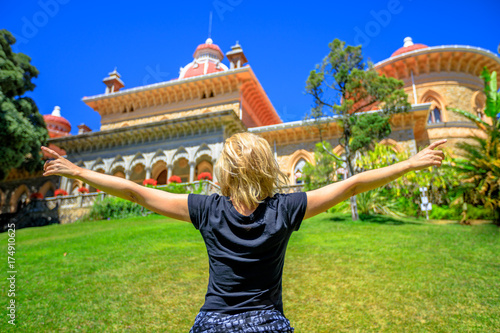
{"x":380,"y":219}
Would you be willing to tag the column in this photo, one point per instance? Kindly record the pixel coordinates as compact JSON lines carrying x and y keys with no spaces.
{"x":63,"y":184}
{"x":214,"y":177}
{"x":170,"y":168}
{"x":148,"y":173}
{"x":192,"y":165}
{"x":127,"y":174}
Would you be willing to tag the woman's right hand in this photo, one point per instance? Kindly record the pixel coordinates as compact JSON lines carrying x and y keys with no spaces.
{"x":59,"y":165}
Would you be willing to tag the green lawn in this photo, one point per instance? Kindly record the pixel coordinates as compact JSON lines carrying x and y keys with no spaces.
{"x":150,"y":275}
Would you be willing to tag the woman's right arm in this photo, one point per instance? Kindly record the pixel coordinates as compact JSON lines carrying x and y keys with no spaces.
{"x":328,"y":196}
{"x":164,"y":203}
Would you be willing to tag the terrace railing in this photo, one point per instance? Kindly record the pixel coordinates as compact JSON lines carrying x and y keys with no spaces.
{"x":88,"y":199}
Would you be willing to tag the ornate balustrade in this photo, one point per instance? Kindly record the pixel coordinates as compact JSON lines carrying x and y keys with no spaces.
{"x":88,"y":199}
{"x":72,"y":201}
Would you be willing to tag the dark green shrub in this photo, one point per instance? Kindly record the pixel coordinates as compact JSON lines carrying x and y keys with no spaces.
{"x":479,"y":213}
{"x":455,"y":213}
{"x":444,"y":213}
{"x":174,"y":188}
{"x":115,"y":208}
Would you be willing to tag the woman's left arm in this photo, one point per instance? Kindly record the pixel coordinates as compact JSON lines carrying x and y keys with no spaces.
{"x":164,"y":203}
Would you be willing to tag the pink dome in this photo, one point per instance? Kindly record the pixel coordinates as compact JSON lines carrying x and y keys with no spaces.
{"x":208,"y":45}
{"x":408,"y":46}
{"x":207,"y":60}
{"x":56,"y":125}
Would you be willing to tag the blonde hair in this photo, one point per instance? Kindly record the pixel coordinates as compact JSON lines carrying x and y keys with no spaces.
{"x":247,"y":170}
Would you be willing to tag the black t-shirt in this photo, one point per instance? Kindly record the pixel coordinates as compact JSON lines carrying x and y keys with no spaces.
{"x":246,"y":253}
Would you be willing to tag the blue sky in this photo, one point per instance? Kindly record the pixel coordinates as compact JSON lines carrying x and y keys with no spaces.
{"x":75,"y":44}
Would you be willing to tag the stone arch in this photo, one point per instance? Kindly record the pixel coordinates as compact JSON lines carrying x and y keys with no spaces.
{"x":19,"y":198}
{"x":204,"y":161}
{"x":75,"y":185}
{"x":340,"y":168}
{"x":203,"y":150}
{"x":180,"y":153}
{"x":159,"y":172}
{"x":138,"y":172}
{"x":478,"y":102}
{"x":438,"y":106}
{"x":99,"y":164}
{"x":300,"y":156}
{"x":137,"y":168}
{"x":204,"y":164}
{"x":47,"y":189}
{"x":138,"y":158}
{"x":118,"y":162}
{"x":118,"y":171}
{"x":395,"y":146}
{"x":180,"y":163}
{"x":159,"y":156}
{"x":181,"y":168}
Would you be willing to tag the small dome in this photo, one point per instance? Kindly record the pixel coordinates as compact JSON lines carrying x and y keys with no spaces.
{"x":56,"y":125}
{"x":207,"y":59}
{"x":408,"y":46}
{"x":208,"y":47}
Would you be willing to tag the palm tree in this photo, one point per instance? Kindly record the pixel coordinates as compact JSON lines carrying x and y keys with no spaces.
{"x":479,"y":164}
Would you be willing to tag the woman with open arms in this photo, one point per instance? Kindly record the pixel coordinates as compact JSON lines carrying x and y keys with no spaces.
{"x":247,"y":228}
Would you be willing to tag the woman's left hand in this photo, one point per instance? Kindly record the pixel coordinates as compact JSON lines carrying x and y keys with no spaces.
{"x":427,"y":157}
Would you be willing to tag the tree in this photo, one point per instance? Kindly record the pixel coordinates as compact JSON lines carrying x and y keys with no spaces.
{"x":22,"y":128}
{"x":479,"y":165}
{"x":343,"y":87}
{"x":322,"y":172}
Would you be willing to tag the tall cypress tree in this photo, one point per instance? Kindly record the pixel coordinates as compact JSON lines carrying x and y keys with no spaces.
{"x":22,"y":128}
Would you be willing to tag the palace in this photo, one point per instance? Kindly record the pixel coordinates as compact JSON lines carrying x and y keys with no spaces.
{"x":178,"y":127}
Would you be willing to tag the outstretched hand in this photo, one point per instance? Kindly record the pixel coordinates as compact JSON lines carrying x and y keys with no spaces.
{"x":59,"y":165}
{"x":427,"y":157}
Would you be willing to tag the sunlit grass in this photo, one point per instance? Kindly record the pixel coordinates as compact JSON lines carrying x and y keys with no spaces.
{"x":150,"y":275}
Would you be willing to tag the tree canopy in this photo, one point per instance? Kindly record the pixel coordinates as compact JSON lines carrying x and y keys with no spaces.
{"x":22,"y":128}
{"x":344,"y":89}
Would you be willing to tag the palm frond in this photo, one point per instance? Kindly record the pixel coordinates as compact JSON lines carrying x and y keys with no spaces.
{"x":480,"y":123}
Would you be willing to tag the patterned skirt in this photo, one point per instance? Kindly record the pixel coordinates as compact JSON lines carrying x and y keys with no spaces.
{"x":269,"y":321}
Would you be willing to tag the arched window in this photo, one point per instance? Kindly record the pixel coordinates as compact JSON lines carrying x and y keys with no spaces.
{"x":434,"y":116}
{"x":297,"y":171}
{"x":138,"y":173}
{"x":479,"y":102}
{"x":162,"y":178}
{"x":438,"y":106}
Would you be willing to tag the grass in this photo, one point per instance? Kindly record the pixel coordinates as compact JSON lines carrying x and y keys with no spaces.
{"x":150,"y":275}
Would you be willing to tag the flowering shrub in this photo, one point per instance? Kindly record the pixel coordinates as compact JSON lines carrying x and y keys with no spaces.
{"x":175,"y":179}
{"x":149,"y":181}
{"x":60,"y":191}
{"x":83,"y":190}
{"x":205,"y":176}
{"x":36,"y":195}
